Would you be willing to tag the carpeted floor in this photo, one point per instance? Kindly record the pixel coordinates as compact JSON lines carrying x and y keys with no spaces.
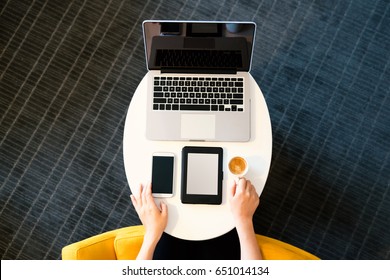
{"x":68,"y":70}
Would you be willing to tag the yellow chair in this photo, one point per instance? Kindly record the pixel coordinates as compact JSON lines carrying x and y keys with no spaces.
{"x":125,"y":243}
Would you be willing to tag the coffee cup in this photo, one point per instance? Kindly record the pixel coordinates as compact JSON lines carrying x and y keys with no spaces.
{"x":238,"y":166}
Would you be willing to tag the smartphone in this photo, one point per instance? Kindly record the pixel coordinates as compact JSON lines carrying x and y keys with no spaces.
{"x":162,"y":174}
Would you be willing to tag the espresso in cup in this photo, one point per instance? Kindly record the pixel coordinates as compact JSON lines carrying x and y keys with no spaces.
{"x":238,"y":166}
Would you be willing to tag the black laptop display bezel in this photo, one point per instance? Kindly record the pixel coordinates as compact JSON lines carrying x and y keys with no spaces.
{"x":199,"y":35}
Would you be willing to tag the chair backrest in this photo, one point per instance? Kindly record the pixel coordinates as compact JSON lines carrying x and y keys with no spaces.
{"x":125,"y":243}
{"x":273,"y":249}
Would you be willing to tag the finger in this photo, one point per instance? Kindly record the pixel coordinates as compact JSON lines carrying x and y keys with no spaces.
{"x":252,"y":188}
{"x":252,"y":191}
{"x":143,"y":193}
{"x":133,"y":200}
{"x":255,"y":196}
{"x":232,"y":189}
{"x":135,"y":203}
{"x":149,"y":188}
{"x":137,"y":192}
{"x":148,"y":193}
{"x":241,"y":186}
{"x":249,"y":186}
{"x":164,"y":209}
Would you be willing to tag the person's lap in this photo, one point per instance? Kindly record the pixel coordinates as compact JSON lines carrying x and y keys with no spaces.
{"x":225,"y":247}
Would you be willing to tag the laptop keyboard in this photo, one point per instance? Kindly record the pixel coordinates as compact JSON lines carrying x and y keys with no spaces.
{"x":199,"y":58}
{"x":198,"y":94}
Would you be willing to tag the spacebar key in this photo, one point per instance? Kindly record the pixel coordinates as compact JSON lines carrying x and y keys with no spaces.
{"x":187,"y":107}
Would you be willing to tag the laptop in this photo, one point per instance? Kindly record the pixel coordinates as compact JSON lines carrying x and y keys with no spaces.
{"x":198,"y":85}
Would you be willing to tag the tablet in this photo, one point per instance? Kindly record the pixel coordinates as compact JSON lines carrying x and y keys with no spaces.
{"x":202,"y":175}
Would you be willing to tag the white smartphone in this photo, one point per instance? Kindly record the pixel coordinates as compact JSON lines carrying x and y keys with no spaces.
{"x":162,"y":174}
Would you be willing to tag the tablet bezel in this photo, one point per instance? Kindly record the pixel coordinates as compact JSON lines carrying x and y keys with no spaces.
{"x":199,"y":198}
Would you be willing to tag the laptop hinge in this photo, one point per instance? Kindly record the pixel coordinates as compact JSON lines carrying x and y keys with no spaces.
{"x":199,"y":70}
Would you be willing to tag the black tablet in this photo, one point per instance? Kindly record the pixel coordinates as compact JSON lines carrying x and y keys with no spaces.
{"x":202,"y":175}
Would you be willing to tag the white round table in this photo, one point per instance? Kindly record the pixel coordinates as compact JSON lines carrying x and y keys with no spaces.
{"x":196,"y":221}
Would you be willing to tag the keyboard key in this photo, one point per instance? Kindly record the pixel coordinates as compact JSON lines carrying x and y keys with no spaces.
{"x":193,"y":107}
{"x":159,"y":100}
{"x":236,"y":101}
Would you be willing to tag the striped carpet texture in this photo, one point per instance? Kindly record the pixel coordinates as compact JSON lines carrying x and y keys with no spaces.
{"x":68,"y":70}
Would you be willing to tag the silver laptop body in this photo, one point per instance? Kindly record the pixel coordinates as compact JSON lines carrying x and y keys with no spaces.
{"x":198,"y":85}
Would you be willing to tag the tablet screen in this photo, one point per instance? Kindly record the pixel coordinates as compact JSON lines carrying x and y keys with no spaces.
{"x":202,"y":174}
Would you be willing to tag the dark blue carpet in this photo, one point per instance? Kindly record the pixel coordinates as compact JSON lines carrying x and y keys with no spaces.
{"x":68,"y":70}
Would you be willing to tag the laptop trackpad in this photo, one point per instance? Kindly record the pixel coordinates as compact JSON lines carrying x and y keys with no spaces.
{"x":197,"y":127}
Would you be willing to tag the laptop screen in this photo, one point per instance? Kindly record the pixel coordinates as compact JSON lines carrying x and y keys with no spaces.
{"x":183,"y":46}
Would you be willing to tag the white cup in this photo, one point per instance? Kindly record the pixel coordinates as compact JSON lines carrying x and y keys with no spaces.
{"x":238,"y":166}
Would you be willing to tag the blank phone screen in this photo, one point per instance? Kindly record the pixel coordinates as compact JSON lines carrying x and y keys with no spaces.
{"x":162,"y":174}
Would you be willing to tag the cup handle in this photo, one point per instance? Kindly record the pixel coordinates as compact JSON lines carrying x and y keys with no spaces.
{"x":237,"y":179}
